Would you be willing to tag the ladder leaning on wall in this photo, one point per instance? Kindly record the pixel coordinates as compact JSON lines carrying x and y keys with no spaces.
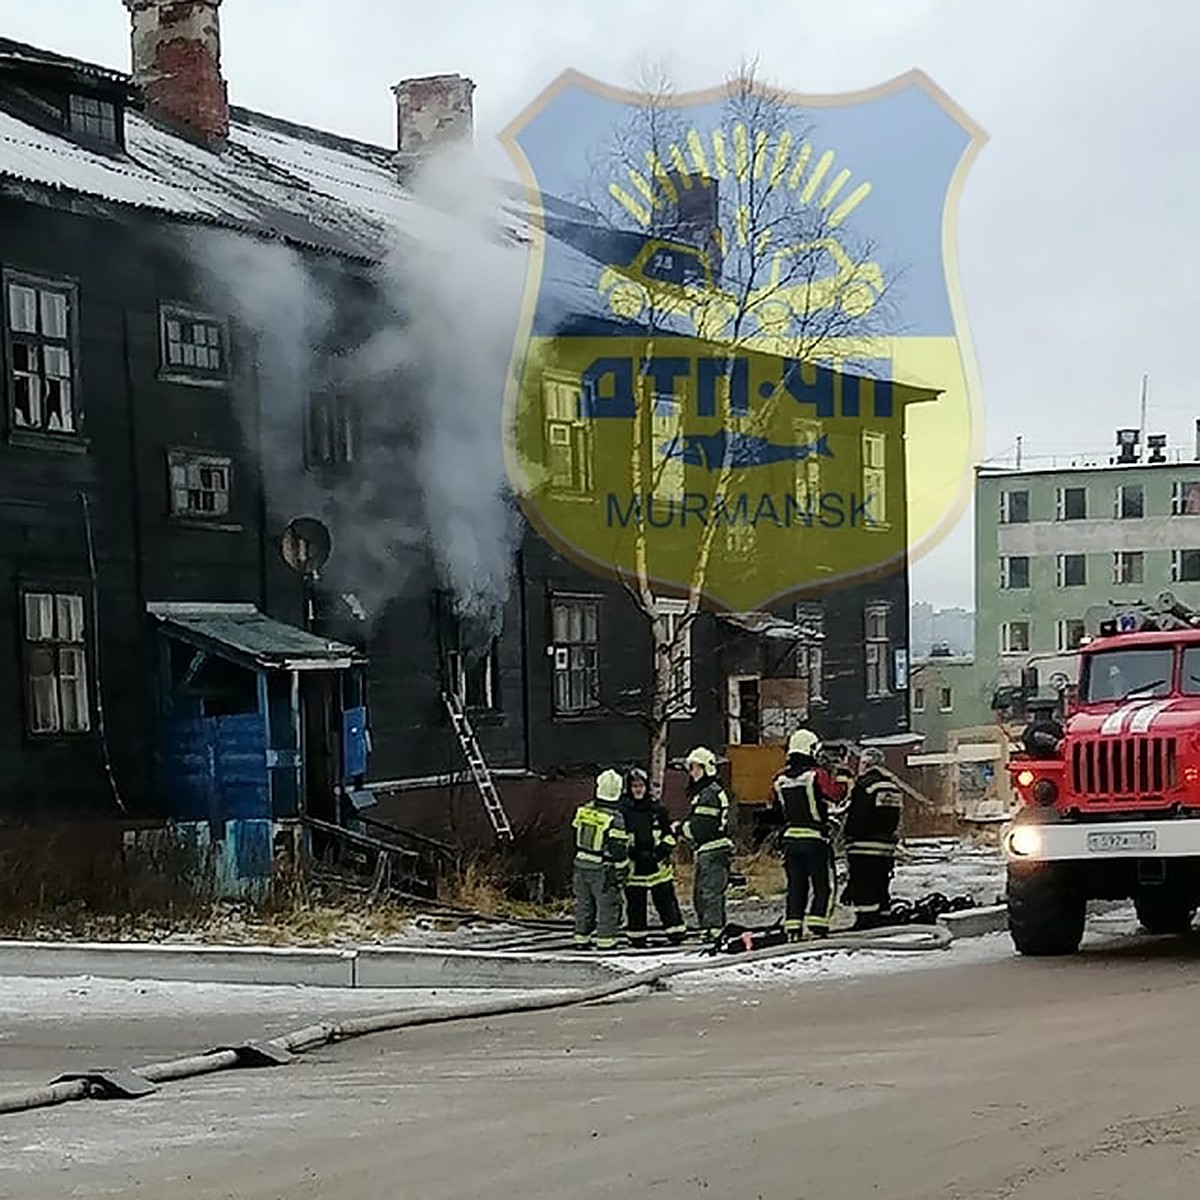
{"x":479,"y":768}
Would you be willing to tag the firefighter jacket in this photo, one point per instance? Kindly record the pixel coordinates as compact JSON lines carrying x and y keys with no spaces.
{"x":707,"y":823}
{"x":651,"y":841}
{"x":873,"y":821}
{"x":802,"y":799}
{"x":601,"y":839}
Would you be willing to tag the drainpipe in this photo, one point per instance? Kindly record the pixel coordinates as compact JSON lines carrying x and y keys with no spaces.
{"x":525,"y":660}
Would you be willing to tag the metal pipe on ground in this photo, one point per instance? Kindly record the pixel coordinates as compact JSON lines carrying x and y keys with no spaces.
{"x":908,"y":938}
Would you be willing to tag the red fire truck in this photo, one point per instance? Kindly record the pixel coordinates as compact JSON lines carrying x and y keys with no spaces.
{"x":1110,"y":797}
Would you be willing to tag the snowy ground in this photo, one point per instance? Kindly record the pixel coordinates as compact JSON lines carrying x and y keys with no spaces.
{"x":951,"y":867}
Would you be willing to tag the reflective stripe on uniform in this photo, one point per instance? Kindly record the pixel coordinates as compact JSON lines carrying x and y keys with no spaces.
{"x":705,"y":810}
{"x":874,"y":849}
{"x":802,"y":831}
{"x":717,"y":844}
{"x":662,"y":875}
{"x":584,"y":856}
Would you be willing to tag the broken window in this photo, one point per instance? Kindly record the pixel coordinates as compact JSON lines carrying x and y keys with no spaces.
{"x":878,"y":649}
{"x":810,"y":653}
{"x":41,"y":355}
{"x":193,"y":345}
{"x":200,"y":483}
{"x":55,"y":652}
{"x":331,"y":431}
{"x":575,"y":624}
{"x":474,"y":679}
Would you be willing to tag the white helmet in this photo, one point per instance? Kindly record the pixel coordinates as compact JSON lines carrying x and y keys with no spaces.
{"x":609,"y":786}
{"x":870,"y":756}
{"x":805,"y":742}
{"x":702,"y":757}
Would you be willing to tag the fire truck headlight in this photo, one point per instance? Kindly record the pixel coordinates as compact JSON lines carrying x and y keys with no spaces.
{"x":1024,"y":841}
{"x":1025,"y":778}
{"x":1045,"y":791}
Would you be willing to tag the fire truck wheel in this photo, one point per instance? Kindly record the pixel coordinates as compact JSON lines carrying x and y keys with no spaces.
{"x":1045,"y":913}
{"x":1162,"y":911}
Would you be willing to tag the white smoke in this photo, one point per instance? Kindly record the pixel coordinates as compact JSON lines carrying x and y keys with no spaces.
{"x":427,"y":358}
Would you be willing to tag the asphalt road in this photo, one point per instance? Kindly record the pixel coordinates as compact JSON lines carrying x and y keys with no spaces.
{"x":1011,"y":1078}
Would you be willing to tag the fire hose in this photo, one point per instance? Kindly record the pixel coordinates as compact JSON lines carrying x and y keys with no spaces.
{"x":129,"y":1083}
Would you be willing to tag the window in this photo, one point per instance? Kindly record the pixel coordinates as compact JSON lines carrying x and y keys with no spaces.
{"x":1121,"y":674}
{"x":668,"y":472}
{"x":810,"y":652}
{"x":1014,"y":571}
{"x":1130,"y":502}
{"x":878,"y":648}
{"x":678,"y":635}
{"x":1014,"y":508}
{"x":1185,"y":498}
{"x":1185,"y":566}
{"x":193,"y":346}
{"x":576,"y":629}
{"x":568,"y":439}
{"x":475,"y":679}
{"x":945,"y":699}
{"x":918,"y":699}
{"x":1189,"y":682}
{"x":1070,"y":634}
{"x":1129,"y":566}
{"x":331,"y":432}
{"x":1014,"y":637}
{"x":1071,"y":570}
{"x":95,"y":118}
{"x":874,"y":477}
{"x":200,"y":484}
{"x":40,"y":328}
{"x":1072,"y":504}
{"x":56,"y":687}
{"x":808,"y":470}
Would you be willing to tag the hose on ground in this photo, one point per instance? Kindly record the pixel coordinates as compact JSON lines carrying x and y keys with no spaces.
{"x":910,"y":939}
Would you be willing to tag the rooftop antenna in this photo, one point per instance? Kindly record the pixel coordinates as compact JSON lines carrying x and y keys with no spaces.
{"x":1142,"y":427}
{"x":1018,"y":451}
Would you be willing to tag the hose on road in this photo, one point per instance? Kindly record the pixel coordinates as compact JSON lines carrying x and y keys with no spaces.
{"x":910,"y":939}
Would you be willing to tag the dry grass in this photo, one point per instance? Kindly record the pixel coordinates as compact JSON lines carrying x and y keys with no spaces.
{"x":764,"y":874}
{"x":483,"y":885}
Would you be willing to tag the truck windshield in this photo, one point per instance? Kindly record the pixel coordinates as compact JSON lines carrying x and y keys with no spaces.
{"x":1120,"y":674}
{"x":1191,"y":671}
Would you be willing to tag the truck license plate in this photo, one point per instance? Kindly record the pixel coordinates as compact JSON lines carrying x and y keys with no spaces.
{"x":1140,"y":841}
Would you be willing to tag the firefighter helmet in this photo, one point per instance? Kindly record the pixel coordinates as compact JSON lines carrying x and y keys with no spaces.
{"x":871,"y":756}
{"x":635,"y":775}
{"x":805,"y":742}
{"x":609,"y":786}
{"x":702,"y":757}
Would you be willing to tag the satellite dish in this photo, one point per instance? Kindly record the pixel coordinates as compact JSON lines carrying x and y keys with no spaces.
{"x":305,"y":545}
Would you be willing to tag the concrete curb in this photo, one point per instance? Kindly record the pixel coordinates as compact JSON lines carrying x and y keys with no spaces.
{"x":976,"y":922}
{"x":367,"y":967}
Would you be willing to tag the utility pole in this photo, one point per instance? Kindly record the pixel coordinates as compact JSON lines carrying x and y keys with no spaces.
{"x":1018,"y":451}
{"x":1142,"y":428}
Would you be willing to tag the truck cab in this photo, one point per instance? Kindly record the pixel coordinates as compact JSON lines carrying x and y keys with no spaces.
{"x":1112,"y":810}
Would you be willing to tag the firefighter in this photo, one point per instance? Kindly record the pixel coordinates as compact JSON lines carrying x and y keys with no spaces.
{"x":652,"y":843}
{"x":601,"y":863}
{"x":1044,"y":733}
{"x":803,"y":793}
{"x":707,"y":829}
{"x":872,"y":832}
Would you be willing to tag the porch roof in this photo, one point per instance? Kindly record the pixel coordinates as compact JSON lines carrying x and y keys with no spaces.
{"x":243,"y":632}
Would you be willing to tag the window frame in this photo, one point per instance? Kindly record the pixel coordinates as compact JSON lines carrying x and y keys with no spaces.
{"x":1119,"y":496}
{"x":918,"y":698}
{"x":1006,"y":583}
{"x":593,"y":706}
{"x":1006,"y":506}
{"x":73,"y":440}
{"x":682,"y":704}
{"x":116,"y":140}
{"x":1060,"y":502}
{"x":877,"y":471}
{"x":877,"y":650}
{"x":1061,"y":570}
{"x":1062,"y":630}
{"x":579,"y":440}
{"x":1006,"y":629}
{"x":340,"y":416}
{"x":456,"y":666}
{"x":56,"y":590}
{"x":1124,"y":557}
{"x":945,"y":698}
{"x":1177,"y":561}
{"x":810,"y":651}
{"x":1181,"y":491}
{"x":185,"y":456}
{"x":190,"y":376}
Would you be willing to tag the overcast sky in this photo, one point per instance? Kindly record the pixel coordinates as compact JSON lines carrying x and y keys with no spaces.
{"x":1079,"y":227}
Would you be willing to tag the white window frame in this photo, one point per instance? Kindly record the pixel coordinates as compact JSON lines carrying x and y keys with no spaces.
{"x":456,"y":664}
{"x":567,"y":428}
{"x":1006,"y":506}
{"x":945,"y":698}
{"x":1119,"y":501}
{"x":184,"y":480}
{"x":918,"y":698}
{"x":1006,"y":582}
{"x":54,"y":623}
{"x":208,"y":339}
{"x":874,"y":477}
{"x":1007,"y":629}
{"x":562,"y":666}
{"x":41,"y":322}
{"x":877,"y":644}
{"x":1062,"y":639}
{"x":1121,"y":558}
{"x":682,"y":702}
{"x":1060,"y":570}
{"x":1177,"y":566}
{"x":331,"y":433}
{"x":810,"y":651}
{"x":1060,"y":502}
{"x":1185,"y":497}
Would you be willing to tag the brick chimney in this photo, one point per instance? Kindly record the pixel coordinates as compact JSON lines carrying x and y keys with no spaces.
{"x":177,"y":64}
{"x":432,"y":112}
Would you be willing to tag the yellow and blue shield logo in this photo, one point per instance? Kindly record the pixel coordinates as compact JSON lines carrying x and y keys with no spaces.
{"x":742,"y":370}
